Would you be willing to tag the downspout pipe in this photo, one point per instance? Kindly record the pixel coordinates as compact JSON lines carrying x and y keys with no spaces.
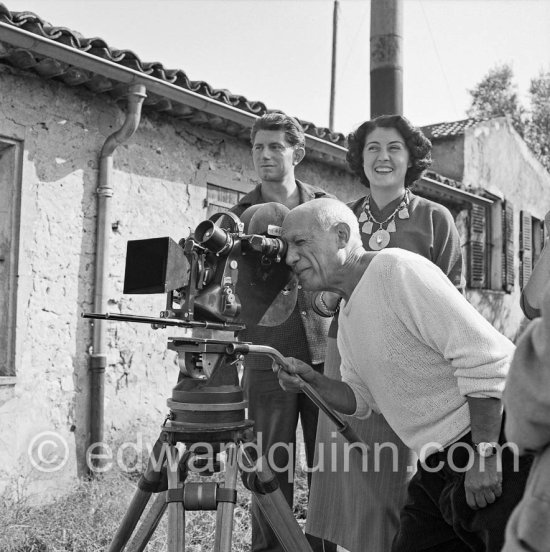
{"x":98,"y":356}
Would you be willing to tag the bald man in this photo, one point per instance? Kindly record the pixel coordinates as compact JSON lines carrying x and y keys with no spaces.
{"x":436,"y":370}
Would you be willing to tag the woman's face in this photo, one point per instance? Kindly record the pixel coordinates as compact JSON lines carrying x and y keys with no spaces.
{"x":385,"y":159}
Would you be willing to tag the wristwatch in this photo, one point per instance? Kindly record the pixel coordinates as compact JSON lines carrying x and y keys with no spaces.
{"x":485,"y":449}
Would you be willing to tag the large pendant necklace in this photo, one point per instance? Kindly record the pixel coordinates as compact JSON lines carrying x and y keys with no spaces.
{"x":381,"y":237}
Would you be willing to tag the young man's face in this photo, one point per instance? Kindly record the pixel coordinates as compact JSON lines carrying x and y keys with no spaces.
{"x":312,"y":252}
{"x":274,"y":158}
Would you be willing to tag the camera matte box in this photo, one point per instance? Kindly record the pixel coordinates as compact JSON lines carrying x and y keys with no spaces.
{"x":155,"y":265}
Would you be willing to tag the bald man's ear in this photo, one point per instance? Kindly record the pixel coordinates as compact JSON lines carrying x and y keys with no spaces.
{"x":343,"y":233}
{"x":299,"y":154}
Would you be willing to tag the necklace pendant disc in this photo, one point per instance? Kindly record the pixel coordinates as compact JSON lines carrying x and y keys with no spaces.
{"x":367,"y":228}
{"x":379,"y":240}
{"x":391,"y":226}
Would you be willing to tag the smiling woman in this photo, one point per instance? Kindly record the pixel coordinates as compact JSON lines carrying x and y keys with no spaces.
{"x":386,"y":161}
{"x":388,"y":155}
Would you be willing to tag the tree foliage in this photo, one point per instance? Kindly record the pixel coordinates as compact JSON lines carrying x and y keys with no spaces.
{"x":496,"y":96}
{"x":538,"y":128}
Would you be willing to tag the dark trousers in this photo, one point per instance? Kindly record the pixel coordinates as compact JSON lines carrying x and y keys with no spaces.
{"x":437,"y":517}
{"x":275,"y":414}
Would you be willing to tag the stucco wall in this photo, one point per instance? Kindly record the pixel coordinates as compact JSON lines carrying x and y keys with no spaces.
{"x":498,"y":160}
{"x":448,"y":158}
{"x":157,"y":192}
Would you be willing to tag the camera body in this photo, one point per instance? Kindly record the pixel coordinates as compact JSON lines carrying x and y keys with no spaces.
{"x":218,"y":274}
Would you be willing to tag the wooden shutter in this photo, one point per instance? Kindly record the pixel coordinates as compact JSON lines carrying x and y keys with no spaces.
{"x":537,"y":239}
{"x":220,"y":199}
{"x":477,"y":263}
{"x":526,"y":248}
{"x":507,"y":246}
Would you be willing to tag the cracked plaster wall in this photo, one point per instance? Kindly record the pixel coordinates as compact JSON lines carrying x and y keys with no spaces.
{"x":492,"y":156}
{"x":158,"y":191}
{"x":497,"y":159}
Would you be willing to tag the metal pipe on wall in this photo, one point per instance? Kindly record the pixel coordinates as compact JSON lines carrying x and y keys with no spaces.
{"x":98,"y":356}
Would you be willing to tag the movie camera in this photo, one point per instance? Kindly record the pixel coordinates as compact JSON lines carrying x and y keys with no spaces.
{"x":228,"y":274}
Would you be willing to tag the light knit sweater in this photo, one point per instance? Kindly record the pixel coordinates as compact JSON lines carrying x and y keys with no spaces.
{"x":413,"y":348}
{"x":527,"y":400}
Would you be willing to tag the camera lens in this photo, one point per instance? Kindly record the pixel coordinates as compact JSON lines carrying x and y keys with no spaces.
{"x":213,"y":237}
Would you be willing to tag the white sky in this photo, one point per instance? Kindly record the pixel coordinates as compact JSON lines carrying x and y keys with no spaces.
{"x":279,"y":51}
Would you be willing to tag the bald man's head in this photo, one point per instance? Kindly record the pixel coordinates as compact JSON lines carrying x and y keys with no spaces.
{"x":320,"y":234}
{"x":324,"y":214}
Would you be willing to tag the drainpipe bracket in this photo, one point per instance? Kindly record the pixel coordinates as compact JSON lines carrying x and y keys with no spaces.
{"x":98,"y":363}
{"x":104,"y":191}
{"x":137,"y":90}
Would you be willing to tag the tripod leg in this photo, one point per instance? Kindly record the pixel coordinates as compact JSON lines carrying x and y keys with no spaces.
{"x":224,"y":518}
{"x":176,"y":511}
{"x":130,"y":520}
{"x":148,"y":525}
{"x":275,"y":508}
{"x":151,"y":481}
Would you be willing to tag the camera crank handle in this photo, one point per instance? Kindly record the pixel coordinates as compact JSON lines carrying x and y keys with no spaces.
{"x":343,"y":427}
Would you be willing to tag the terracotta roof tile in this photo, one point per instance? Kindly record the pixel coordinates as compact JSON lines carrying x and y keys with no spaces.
{"x":450,"y":129}
{"x":96,"y":46}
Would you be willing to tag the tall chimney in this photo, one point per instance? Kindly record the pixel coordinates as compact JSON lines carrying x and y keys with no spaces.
{"x":386,"y":57}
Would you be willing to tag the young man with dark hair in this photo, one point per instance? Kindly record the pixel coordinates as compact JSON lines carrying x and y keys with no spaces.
{"x":278,"y":146}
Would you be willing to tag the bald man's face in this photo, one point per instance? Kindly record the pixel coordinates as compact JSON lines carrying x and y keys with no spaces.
{"x":312,"y":253}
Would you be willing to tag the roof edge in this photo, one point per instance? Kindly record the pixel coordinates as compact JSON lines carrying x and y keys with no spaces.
{"x":326,"y":151}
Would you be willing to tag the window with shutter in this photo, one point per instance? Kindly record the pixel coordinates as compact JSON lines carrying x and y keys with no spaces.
{"x":220,"y":199}
{"x":222,"y":189}
{"x":538,"y":238}
{"x":477,"y":256}
{"x":526,"y":248}
{"x":10,"y":167}
{"x":508,"y":247}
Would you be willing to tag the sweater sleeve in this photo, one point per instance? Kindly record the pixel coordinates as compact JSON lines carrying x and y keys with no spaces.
{"x":440,"y":317}
{"x":527,"y":395}
{"x":447,"y":250}
{"x":363,"y":398}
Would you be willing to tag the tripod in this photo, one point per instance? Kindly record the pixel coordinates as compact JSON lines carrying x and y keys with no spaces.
{"x":206,"y":415}
{"x":205,"y":276}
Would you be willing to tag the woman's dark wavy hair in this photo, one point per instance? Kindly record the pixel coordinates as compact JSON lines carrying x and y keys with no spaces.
{"x":419,"y":147}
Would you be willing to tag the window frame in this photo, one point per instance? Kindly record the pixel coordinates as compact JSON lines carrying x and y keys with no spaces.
{"x":458,"y":201}
{"x":11,"y":163}
{"x":223,"y":179}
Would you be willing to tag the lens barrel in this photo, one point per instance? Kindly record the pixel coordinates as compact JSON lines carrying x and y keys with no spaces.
{"x":213,"y":237}
{"x":274,"y":248}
